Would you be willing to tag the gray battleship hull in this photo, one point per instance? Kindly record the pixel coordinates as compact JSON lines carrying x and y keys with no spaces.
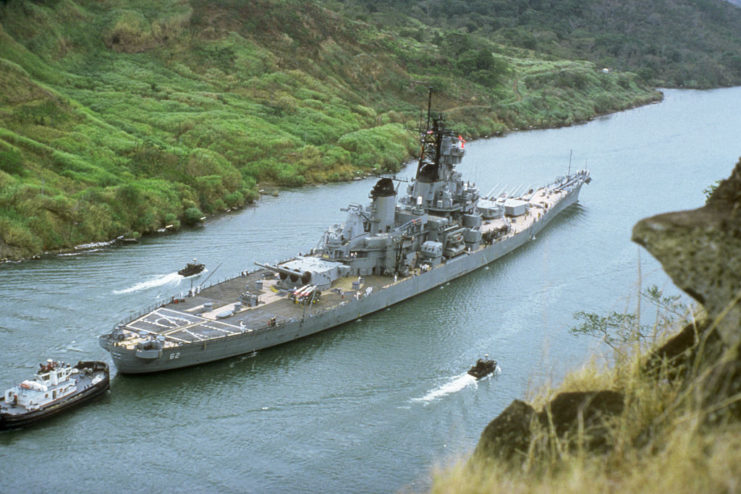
{"x":315,"y":318}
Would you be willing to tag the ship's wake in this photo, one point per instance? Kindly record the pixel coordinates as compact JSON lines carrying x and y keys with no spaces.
{"x":454,"y":385}
{"x":171,"y":278}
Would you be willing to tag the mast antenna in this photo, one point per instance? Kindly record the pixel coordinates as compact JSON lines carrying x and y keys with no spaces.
{"x":429,"y":107}
{"x":571,"y":153}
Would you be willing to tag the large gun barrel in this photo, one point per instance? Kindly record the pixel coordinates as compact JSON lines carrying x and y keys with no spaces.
{"x":284,"y":273}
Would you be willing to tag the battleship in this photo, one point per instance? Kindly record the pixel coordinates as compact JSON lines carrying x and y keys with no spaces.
{"x":396,"y":247}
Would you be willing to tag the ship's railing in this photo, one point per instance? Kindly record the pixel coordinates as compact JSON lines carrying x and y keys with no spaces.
{"x":136,"y":315}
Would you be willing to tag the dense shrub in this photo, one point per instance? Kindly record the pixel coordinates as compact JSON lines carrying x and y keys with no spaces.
{"x":192,"y":216}
{"x":11,"y":162}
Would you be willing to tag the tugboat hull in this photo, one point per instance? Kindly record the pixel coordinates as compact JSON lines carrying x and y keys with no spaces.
{"x":89,"y":387}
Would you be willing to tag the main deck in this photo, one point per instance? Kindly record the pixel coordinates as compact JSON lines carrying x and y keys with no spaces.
{"x":219,"y":310}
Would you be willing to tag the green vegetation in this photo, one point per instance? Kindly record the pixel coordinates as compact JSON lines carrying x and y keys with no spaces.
{"x":710,"y":189}
{"x":122,"y":116}
{"x":683,"y":43}
{"x":620,"y":330}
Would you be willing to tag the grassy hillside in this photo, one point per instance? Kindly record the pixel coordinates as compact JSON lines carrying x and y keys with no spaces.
{"x":680,"y":43}
{"x":121,"y":117}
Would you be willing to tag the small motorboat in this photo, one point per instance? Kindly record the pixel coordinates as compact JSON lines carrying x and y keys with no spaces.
{"x":483,"y":367}
{"x":192,"y":268}
{"x":55,"y":388}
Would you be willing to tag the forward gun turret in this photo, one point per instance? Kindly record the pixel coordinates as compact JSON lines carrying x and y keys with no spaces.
{"x":307,"y":270}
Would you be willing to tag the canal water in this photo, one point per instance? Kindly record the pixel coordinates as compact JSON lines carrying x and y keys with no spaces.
{"x":376,"y":404}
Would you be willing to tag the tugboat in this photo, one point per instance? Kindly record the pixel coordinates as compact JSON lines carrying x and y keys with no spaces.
{"x":56,"y":387}
{"x":192,"y":268}
{"x":483,"y":367}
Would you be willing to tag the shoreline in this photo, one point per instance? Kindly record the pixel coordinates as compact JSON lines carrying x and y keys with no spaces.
{"x":272,"y":189}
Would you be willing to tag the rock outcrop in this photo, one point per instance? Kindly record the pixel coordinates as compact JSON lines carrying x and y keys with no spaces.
{"x":507,"y":437}
{"x":583,"y":416}
{"x":572,"y":417}
{"x":700,"y":250}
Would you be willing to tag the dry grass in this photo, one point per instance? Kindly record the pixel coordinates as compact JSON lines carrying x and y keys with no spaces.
{"x":690,"y":462}
{"x":662,"y":442}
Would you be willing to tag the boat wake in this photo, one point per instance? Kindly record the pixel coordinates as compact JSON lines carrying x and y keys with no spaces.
{"x":172,"y":278}
{"x":456,"y":384}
